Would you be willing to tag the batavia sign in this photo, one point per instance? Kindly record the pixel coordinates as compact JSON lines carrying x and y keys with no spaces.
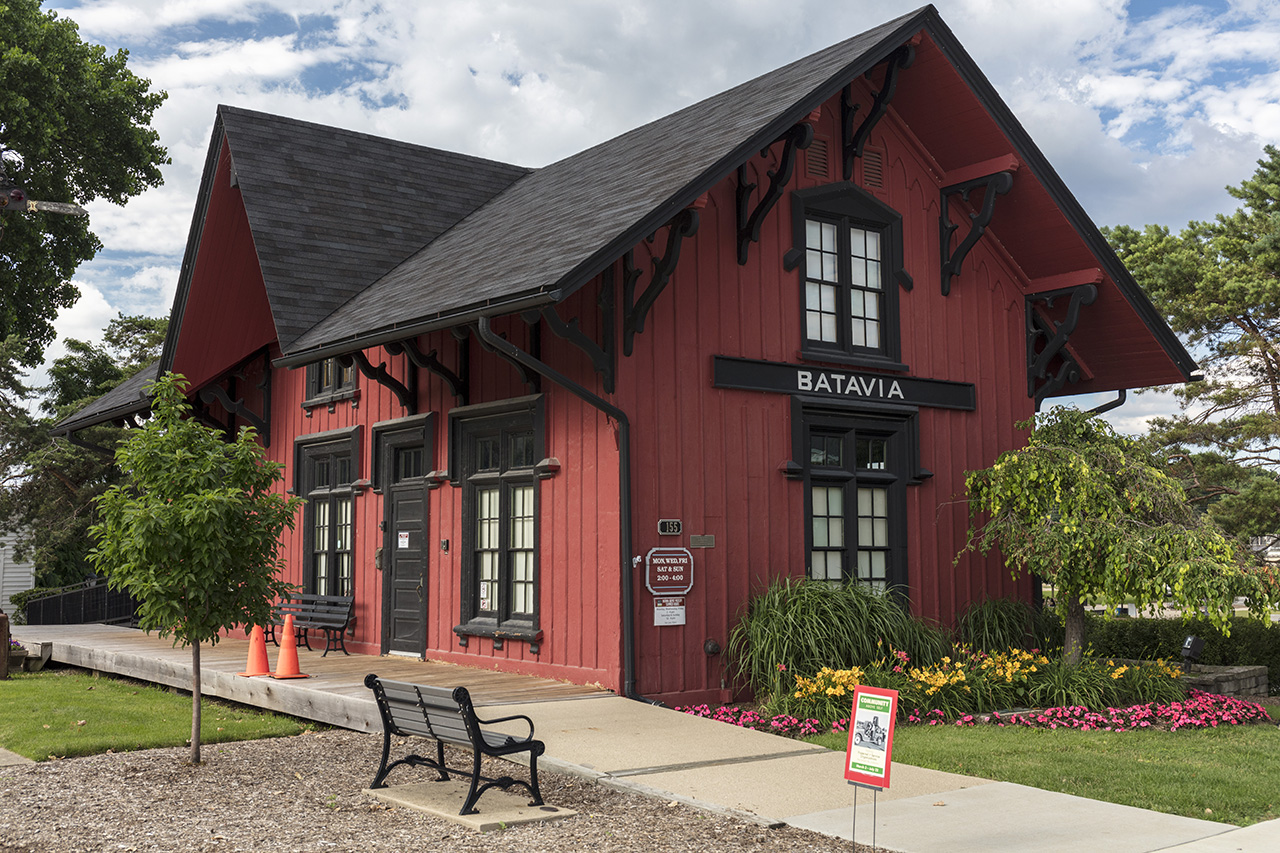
{"x":751,"y":375}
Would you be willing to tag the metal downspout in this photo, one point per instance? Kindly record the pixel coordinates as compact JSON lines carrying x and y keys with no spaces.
{"x":518,"y":355}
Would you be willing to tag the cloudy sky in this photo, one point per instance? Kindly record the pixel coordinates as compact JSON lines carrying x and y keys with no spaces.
{"x":1147,"y":109}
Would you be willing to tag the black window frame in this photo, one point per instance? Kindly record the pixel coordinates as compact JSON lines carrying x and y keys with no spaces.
{"x":468,"y":425}
{"x":329,"y":448}
{"x":847,"y":205}
{"x":328,"y":382}
{"x":898,"y":427}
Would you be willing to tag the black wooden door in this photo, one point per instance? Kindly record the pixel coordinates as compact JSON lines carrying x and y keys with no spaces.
{"x":404,"y":556}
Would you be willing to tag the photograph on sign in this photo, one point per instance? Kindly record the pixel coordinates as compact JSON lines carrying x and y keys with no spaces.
{"x":870,"y":752}
{"x":668,"y":571}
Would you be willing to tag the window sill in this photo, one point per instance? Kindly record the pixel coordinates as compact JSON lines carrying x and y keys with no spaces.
{"x":499,"y":633}
{"x":331,"y":399}
{"x":875,"y":362}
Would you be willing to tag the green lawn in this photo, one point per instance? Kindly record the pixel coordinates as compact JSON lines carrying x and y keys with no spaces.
{"x":1229,"y":774}
{"x":65,"y":713}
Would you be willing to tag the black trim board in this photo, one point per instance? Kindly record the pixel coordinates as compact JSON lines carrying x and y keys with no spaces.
{"x":851,"y":387}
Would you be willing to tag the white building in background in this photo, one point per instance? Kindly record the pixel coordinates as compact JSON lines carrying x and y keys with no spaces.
{"x":1267,"y":546}
{"x":15,"y":577}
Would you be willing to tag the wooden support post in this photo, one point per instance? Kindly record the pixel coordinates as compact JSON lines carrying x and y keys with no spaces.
{"x":4,"y":646}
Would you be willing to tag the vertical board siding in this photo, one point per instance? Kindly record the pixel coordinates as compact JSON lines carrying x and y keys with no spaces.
{"x":711,"y":457}
{"x":707,"y":456}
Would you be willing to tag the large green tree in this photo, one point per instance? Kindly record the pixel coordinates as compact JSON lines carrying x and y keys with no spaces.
{"x":1218,"y":285}
{"x":194,"y":531}
{"x":74,"y":127}
{"x":1095,"y":515}
{"x":47,"y":484}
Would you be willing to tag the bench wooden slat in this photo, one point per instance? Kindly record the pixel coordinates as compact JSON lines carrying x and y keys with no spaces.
{"x":448,"y":716}
{"x":333,"y":614}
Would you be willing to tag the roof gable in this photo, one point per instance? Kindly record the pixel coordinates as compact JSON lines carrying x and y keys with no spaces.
{"x":332,"y":210}
{"x":561,"y":225}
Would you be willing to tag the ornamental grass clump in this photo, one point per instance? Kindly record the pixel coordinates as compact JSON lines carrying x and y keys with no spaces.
{"x":801,"y":626}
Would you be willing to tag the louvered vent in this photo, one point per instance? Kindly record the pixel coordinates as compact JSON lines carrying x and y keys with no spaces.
{"x":872,"y":168}
{"x":816,"y":159}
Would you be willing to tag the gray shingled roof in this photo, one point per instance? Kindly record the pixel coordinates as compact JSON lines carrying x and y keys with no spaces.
{"x":333,"y":210}
{"x":127,"y":398}
{"x":552,"y":231}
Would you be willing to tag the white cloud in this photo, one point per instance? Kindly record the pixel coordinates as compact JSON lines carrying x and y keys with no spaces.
{"x":1146,"y":120}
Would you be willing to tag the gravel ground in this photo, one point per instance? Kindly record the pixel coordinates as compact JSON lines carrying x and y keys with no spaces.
{"x":304,"y":794}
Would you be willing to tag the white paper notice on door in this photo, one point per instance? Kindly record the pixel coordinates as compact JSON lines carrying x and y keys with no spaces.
{"x":402,"y":540}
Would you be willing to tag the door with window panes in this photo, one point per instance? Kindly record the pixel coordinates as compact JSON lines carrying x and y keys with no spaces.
{"x":854,"y":503}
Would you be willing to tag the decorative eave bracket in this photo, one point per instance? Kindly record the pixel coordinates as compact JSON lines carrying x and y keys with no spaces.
{"x":1048,"y":339}
{"x":603,"y":359}
{"x":855,"y":140}
{"x":995,"y":184}
{"x":237,"y":408}
{"x":635,"y":311}
{"x":407,"y":398}
{"x":457,"y":382}
{"x":750,"y":221}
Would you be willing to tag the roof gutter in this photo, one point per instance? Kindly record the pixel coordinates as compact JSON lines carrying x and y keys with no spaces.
{"x":627,"y":562}
{"x":399,"y":332}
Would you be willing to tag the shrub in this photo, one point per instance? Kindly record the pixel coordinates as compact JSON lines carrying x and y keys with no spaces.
{"x":801,"y":626}
{"x":1252,"y":643}
{"x":19,"y":601}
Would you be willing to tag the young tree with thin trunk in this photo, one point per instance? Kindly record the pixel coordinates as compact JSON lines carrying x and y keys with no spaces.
{"x":193,"y":532}
{"x":1088,"y":511}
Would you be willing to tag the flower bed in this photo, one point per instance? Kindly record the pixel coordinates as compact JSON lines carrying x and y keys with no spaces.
{"x":975,"y":682}
{"x":1199,"y":711}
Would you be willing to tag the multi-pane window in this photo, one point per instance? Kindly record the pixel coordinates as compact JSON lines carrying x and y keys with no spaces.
{"x":844,"y":285}
{"x":328,"y":380}
{"x":852,"y":497}
{"x":330,"y":516}
{"x":498,"y":454}
{"x":848,"y":245}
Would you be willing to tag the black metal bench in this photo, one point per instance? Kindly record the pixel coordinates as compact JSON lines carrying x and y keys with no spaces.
{"x":447,"y":716}
{"x":331,"y":614}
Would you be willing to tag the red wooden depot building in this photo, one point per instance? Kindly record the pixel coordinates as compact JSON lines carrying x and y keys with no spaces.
{"x":766,"y":334}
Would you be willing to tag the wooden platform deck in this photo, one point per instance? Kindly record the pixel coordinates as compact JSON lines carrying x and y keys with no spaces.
{"x":335,"y":694}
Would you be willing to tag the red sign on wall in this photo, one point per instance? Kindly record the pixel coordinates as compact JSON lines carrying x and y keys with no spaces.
{"x":668,"y":571}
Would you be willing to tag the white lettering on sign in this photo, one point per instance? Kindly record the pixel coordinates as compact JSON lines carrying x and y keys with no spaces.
{"x":849,"y":385}
{"x":669,"y":571}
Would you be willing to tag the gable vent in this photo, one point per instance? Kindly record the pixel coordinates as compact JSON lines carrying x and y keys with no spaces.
{"x":873,"y":168}
{"x":817,"y":157}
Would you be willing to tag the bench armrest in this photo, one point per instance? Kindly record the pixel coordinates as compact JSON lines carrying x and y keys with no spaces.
{"x":507,"y":720}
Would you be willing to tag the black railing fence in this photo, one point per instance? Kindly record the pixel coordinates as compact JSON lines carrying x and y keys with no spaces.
{"x":82,"y":603}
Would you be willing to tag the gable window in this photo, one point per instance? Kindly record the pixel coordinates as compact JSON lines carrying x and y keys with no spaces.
{"x":328,"y":382}
{"x":326,"y":472}
{"x":494,"y":450}
{"x":849,"y":249}
{"x":855,"y":477}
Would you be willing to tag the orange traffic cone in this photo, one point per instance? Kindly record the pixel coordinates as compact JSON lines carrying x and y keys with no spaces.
{"x":287,"y":660}
{"x":257,"y":663}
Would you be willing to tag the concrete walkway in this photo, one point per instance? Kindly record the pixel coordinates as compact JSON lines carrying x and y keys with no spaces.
{"x":772,"y":780}
{"x":724,"y":769}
